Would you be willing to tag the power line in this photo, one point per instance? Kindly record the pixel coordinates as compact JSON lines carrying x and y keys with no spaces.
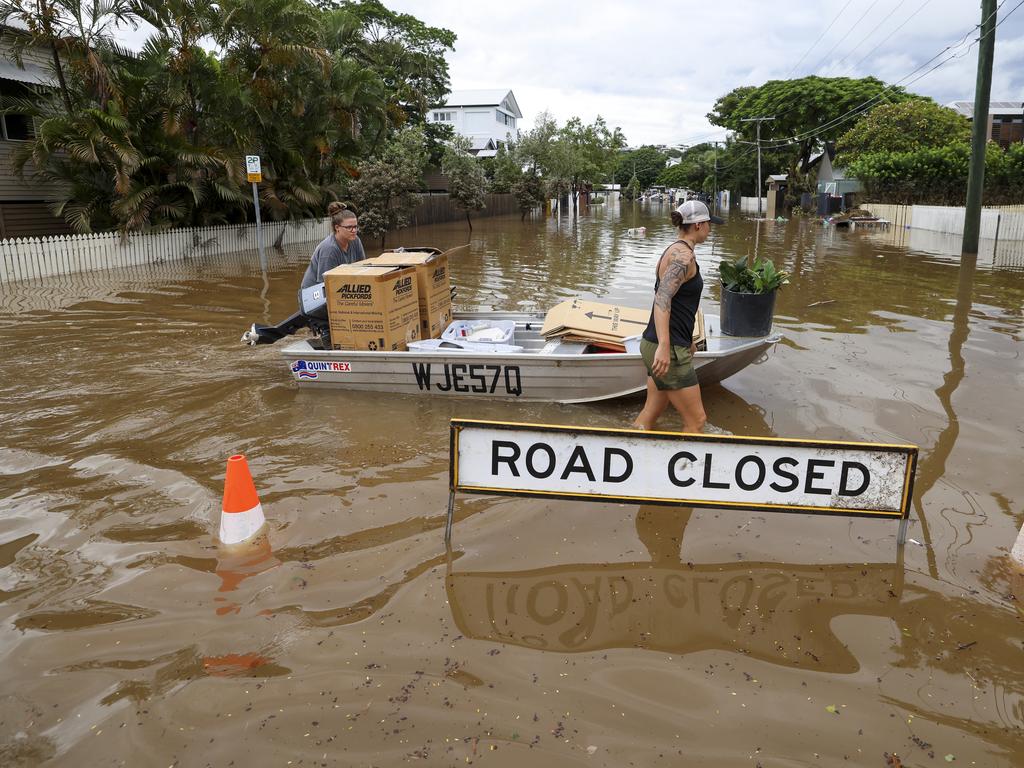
{"x":872,"y":101}
{"x":873,"y":30}
{"x":830,"y":25}
{"x":848,"y":31}
{"x":884,"y":39}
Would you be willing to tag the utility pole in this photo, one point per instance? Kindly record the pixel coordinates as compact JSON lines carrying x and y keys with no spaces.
{"x":758,"y":120}
{"x":979,"y":129}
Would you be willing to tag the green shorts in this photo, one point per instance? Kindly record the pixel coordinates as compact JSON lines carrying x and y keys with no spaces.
{"x":680,"y":373}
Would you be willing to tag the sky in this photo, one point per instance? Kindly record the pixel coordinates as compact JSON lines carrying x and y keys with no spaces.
{"x":655,"y":69}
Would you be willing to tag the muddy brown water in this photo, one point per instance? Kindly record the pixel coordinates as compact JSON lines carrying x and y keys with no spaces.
{"x":554,"y":633}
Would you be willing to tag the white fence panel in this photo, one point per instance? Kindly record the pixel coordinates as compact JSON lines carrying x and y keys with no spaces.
{"x":31,"y":258}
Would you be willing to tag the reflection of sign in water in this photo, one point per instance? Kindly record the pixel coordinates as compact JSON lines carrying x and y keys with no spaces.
{"x":772,"y":474}
{"x":776,"y":613}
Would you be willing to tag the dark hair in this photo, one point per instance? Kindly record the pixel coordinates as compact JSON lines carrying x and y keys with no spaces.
{"x":339,"y":214}
{"x":677,"y":220}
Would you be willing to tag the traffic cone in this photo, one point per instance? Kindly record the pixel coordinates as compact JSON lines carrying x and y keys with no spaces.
{"x":241,"y":513}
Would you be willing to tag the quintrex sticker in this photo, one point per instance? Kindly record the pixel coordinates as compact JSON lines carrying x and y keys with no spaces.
{"x":308,"y":369}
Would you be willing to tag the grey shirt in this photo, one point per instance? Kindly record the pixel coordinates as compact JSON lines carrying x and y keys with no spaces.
{"x":329,"y":255}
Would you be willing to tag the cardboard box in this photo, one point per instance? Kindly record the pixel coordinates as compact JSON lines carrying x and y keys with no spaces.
{"x":434,"y":285}
{"x":374,"y":307}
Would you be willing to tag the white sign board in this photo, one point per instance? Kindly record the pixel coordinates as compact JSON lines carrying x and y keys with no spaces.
{"x":771,"y":474}
{"x":253,"y":170}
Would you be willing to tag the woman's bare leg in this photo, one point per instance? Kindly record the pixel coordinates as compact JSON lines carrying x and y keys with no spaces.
{"x":653,"y":408}
{"x":687,"y":401}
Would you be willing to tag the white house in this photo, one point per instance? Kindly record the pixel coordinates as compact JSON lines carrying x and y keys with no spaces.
{"x":487,"y":117}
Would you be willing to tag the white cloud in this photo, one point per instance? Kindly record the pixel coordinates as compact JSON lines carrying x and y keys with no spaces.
{"x":655,"y":69}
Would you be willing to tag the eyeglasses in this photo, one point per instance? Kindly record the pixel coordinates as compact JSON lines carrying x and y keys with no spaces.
{"x":350,"y":227}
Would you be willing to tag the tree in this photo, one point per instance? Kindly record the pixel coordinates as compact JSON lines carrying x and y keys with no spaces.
{"x":632,"y":190}
{"x":807,"y":111}
{"x":904,"y":127}
{"x":528,"y":190}
{"x":508,"y":168}
{"x":646,"y":163}
{"x":466,"y":180}
{"x":583,"y":154}
{"x":385,"y":194}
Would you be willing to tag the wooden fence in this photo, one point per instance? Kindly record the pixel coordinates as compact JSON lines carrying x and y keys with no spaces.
{"x":39,"y":257}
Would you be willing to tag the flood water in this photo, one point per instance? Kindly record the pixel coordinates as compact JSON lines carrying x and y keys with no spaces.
{"x":553,"y":633}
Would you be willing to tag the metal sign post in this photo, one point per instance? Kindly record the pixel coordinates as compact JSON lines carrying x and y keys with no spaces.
{"x":815,"y":477}
{"x":254,"y":174}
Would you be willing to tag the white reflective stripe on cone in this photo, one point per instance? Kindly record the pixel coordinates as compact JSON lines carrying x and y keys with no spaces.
{"x":1018,"y":549}
{"x":236,"y":527}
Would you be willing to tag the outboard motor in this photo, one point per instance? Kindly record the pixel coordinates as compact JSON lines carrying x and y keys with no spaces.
{"x":312,"y":314}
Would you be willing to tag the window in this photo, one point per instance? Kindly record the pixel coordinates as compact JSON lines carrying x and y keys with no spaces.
{"x":14,"y":126}
{"x":444,"y":117}
{"x":504,"y":119}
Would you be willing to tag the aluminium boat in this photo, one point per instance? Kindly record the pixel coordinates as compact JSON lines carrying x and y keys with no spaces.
{"x":555,"y":371}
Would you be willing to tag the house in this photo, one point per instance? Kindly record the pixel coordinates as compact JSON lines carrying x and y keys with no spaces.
{"x":488,"y":118}
{"x":1005,"y":119}
{"x":24,"y":204}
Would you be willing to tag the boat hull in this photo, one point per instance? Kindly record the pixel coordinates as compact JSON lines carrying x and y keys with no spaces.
{"x":530,"y":376}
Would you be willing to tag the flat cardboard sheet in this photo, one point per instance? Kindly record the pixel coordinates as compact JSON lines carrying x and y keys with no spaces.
{"x":604,"y":325}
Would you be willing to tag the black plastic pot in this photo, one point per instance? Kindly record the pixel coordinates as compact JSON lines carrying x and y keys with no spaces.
{"x":746,"y":314}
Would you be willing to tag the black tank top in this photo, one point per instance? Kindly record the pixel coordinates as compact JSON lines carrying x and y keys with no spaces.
{"x":683,"y":314}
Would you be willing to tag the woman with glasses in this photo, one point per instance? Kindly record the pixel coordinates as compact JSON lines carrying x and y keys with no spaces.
{"x":342,"y":246}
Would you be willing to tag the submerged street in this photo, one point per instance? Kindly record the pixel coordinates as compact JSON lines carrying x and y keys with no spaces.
{"x":555,"y":632}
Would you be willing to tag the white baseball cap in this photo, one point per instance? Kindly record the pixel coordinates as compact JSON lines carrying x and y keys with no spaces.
{"x":694,"y":212}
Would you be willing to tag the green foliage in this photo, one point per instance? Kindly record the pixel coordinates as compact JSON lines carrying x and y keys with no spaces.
{"x":466,"y":180}
{"x":904,"y":127}
{"x":157,"y":139}
{"x":801,"y":107}
{"x":761,"y":277}
{"x":645,"y":163}
{"x":632,"y":190}
{"x":385,"y":194}
{"x":938,"y":176}
{"x":528,"y":190}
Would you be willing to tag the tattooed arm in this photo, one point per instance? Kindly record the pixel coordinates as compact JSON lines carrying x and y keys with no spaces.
{"x":680,"y":269}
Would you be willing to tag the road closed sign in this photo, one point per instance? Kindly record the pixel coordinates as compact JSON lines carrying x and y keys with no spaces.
{"x":630,"y":466}
{"x":253,"y":170}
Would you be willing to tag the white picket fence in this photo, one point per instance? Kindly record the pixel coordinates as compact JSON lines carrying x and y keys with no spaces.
{"x":997,"y":223}
{"x":38,"y":257}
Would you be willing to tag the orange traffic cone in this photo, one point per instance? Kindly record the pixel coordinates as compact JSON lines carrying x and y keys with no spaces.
{"x":241,"y":513}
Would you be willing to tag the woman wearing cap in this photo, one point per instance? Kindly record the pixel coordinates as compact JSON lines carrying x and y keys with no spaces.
{"x":667,"y":345}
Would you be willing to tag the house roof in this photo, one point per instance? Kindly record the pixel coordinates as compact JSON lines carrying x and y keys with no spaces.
{"x":966,"y":108}
{"x":484,"y":97}
{"x":26,"y":73}
{"x":481,"y":143}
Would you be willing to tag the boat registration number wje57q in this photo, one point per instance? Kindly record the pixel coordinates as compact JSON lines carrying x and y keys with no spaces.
{"x":543,"y":371}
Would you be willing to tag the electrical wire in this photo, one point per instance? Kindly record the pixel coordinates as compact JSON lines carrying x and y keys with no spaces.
{"x":873,"y":30}
{"x":830,"y":25}
{"x":840,"y":40}
{"x":856,"y":111}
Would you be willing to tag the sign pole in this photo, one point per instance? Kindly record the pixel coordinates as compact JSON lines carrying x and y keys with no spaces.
{"x":254,"y":174}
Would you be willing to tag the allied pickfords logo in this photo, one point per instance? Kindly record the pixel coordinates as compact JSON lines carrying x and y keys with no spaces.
{"x":403,"y":286}
{"x":310,"y":369}
{"x":355,"y":290}
{"x":439,"y":274}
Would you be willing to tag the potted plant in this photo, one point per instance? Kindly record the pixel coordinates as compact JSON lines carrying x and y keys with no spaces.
{"x":748,"y":296}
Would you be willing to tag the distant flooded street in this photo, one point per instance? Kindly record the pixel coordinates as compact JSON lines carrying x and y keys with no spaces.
{"x":554,"y":633}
